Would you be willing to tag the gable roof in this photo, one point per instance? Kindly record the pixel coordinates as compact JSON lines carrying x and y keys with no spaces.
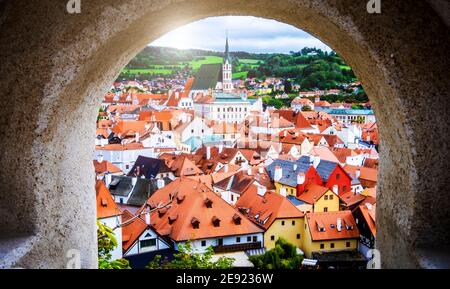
{"x":325,"y":168}
{"x":122,"y":186}
{"x":328,"y":221}
{"x":296,"y":118}
{"x":290,"y":170}
{"x":264,"y":210}
{"x":188,"y":206}
{"x":106,"y":207}
{"x":368,"y":174}
{"x":148,"y":167}
{"x":324,"y":153}
{"x":131,"y":230}
{"x":313,"y":193}
{"x":368,"y":212}
{"x":207,"y":76}
{"x":236,"y":183}
{"x":105,"y":167}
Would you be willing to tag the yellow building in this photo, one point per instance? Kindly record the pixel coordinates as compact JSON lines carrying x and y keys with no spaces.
{"x":274,"y":213}
{"x":285,"y":190}
{"x":319,"y":199}
{"x":329,"y":232}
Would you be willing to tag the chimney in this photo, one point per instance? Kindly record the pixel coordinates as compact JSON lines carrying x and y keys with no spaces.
{"x":339,"y":224}
{"x":220,"y":148}
{"x":225,"y":168}
{"x":137,"y":137}
{"x":261,"y":170}
{"x":316,"y":161}
{"x":147,"y":217}
{"x":358,"y":173}
{"x":300,"y":179}
{"x":108,"y":178}
{"x":133,"y":181}
{"x":262,"y":190}
{"x":249,"y":171}
{"x":294,"y":167}
{"x":336,"y":189}
{"x":100,"y":158}
{"x":208,"y":153}
{"x":285,"y":133}
{"x":278,"y":173}
{"x":160,"y":183}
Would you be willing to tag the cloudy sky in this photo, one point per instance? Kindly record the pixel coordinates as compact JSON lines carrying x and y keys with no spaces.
{"x":245,"y":33}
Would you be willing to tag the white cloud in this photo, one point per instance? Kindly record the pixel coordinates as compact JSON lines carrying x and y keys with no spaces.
{"x":246,"y":33}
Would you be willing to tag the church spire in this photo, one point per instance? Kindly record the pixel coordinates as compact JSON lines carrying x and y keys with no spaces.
{"x":227,"y":53}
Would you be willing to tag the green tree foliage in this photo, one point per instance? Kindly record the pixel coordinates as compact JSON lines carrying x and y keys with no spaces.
{"x":106,"y":243}
{"x":283,"y":256}
{"x":186,"y":258}
{"x":306,"y":108}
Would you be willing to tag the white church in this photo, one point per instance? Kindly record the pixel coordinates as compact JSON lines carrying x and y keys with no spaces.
{"x":215,"y":97}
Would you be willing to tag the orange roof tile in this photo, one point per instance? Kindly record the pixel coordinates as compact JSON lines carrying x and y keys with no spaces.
{"x":313,"y":193}
{"x":105,"y":166}
{"x":323,"y":226}
{"x":190,"y":205}
{"x":271,"y":206}
{"x":368,"y":174}
{"x":131,"y":230}
{"x":106,"y":207}
{"x":368,"y":212}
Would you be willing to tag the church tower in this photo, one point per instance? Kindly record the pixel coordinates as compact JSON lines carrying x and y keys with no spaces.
{"x":227,"y":84}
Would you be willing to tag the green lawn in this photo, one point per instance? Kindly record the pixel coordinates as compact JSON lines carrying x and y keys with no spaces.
{"x":147,"y":71}
{"x":240,"y":74}
{"x":196,"y":63}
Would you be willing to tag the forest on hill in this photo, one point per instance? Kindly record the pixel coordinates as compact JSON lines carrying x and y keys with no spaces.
{"x":311,"y":68}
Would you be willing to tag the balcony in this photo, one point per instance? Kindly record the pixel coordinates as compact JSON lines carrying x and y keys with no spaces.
{"x":237,"y":247}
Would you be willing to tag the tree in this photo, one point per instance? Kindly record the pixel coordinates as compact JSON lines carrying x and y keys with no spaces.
{"x":186,"y":258}
{"x":306,"y":108}
{"x":106,"y":243}
{"x":283,"y":256}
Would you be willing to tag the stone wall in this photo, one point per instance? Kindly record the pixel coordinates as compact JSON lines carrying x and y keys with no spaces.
{"x":55,"y":67}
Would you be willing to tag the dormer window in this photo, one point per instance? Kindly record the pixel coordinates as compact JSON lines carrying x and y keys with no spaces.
{"x":195,"y":223}
{"x":208,"y":203}
{"x":320,"y":226}
{"x":180,"y":199}
{"x":216,"y":221}
{"x":161,"y":212}
{"x":172,"y":219}
{"x":348,"y":225}
{"x":237,"y":219}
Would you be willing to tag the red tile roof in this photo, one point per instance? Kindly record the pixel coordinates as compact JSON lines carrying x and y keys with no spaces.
{"x":271,"y":206}
{"x":191,"y":200}
{"x":131,"y":230}
{"x":313,"y":193}
{"x":105,"y":166}
{"x":106,"y":207}
{"x":368,"y":212}
{"x":368,"y":174}
{"x":323,"y":226}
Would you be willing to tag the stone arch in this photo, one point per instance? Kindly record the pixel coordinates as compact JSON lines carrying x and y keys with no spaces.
{"x":56,"y":66}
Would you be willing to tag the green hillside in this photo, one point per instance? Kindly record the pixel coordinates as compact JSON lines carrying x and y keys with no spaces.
{"x":309,"y":67}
